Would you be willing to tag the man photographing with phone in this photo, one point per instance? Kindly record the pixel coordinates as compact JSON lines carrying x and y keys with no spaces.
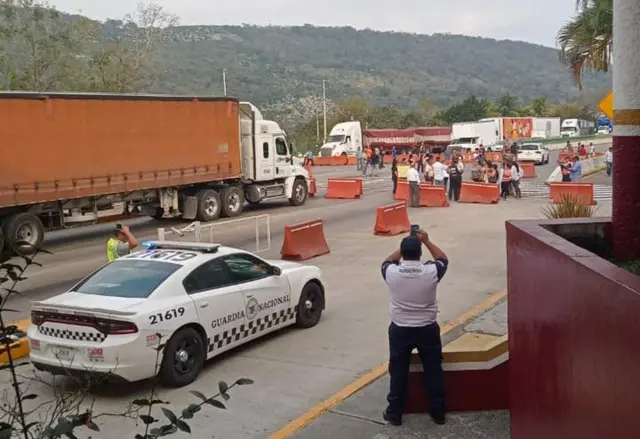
{"x":413,"y":310}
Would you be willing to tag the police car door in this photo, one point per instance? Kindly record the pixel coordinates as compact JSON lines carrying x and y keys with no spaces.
{"x":267,"y":296}
{"x":219,"y":303}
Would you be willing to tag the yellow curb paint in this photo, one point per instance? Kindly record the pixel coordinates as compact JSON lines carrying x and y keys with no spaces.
{"x":315,"y":412}
{"x":20,"y":348}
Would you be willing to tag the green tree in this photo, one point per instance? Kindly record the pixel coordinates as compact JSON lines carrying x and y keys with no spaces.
{"x":507,"y":106}
{"x":539,"y":107}
{"x":586,"y":40}
{"x":470,"y":109}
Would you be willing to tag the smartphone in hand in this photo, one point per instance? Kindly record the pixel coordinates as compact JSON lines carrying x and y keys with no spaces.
{"x":415,"y":228}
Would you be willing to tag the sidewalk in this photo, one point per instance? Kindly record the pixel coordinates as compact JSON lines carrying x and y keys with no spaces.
{"x":360,"y":415}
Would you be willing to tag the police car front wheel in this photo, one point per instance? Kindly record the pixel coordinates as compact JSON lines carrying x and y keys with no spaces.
{"x":183,"y":359}
{"x":310,"y":306}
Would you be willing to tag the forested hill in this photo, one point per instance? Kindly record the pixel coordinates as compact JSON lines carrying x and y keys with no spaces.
{"x":274,"y":64}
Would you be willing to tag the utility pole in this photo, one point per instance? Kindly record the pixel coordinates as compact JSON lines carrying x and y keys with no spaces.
{"x":317,"y":126}
{"x":324,"y":108}
{"x":224,"y":81}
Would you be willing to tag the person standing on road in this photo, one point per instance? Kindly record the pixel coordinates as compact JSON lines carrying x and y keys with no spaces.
{"x":439,"y":170}
{"x":565,"y":168}
{"x":359,"y":159}
{"x":413,"y":309}
{"x":121,"y":243}
{"x":516,"y":175}
{"x":506,"y":181}
{"x":413,"y":178}
{"x":394,"y":175}
{"x":576,"y":169}
{"x":592,"y":150}
{"x":455,"y":172}
{"x":367,"y":160}
{"x":608,"y":160}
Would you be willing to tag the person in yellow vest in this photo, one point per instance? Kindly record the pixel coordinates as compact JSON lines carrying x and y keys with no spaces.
{"x":121,"y":244}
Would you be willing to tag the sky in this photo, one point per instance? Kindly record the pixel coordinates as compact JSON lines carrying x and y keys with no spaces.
{"x":535,"y":21}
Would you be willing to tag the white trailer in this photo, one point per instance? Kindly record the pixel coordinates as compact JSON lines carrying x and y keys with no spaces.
{"x":470,"y":135}
{"x":546,"y":127}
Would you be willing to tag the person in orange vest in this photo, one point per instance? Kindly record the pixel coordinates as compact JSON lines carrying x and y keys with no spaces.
{"x":368,"y":153}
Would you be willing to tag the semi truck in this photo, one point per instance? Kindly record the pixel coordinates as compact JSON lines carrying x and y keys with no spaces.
{"x":518,"y":128}
{"x":344,"y":139}
{"x":576,"y":127}
{"x":604,"y":125}
{"x":470,"y":135}
{"x":69,"y":159}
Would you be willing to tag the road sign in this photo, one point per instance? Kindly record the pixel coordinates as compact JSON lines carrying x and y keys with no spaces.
{"x":606,"y":105}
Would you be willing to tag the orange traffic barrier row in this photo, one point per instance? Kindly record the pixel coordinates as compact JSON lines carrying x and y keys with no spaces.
{"x":582,"y":192}
{"x":352,"y":160}
{"x":433,"y":196}
{"x":340,"y":160}
{"x":392,"y":220}
{"x":304,"y":241}
{"x":312,"y":187}
{"x":566,"y":155}
{"x":493,"y":156}
{"x":481,"y":193}
{"x":528,"y":169}
{"x":344,"y":188}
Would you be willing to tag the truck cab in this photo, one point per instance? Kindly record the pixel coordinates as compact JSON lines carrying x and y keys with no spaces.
{"x":269,"y":170}
{"x":344,"y":139}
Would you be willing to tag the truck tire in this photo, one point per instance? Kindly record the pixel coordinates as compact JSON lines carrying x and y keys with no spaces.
{"x":158,"y":213}
{"x":299,"y":193}
{"x":232,"y":199}
{"x":1,"y":241}
{"x":209,"y":207}
{"x":23,"y":233}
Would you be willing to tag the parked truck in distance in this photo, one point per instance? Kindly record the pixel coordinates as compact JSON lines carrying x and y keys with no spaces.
{"x":344,"y":139}
{"x":604,"y":125}
{"x":470,"y":135}
{"x":69,"y":159}
{"x":576,"y":127}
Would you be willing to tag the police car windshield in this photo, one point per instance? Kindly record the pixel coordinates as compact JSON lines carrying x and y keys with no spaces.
{"x":127,"y":278}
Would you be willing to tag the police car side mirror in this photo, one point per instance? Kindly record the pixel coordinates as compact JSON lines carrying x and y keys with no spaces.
{"x":275,"y":271}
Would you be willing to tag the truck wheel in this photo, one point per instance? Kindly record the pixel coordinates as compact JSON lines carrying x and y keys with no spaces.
{"x":158,"y":213}
{"x":23,"y":233}
{"x":208,"y":205}
{"x":232,"y":201}
{"x":299,"y":193}
{"x":1,"y":241}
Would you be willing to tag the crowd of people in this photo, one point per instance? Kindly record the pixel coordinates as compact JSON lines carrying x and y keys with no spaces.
{"x":431,"y":168}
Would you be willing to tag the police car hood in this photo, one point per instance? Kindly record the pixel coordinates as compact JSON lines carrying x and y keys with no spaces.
{"x":72,"y":301}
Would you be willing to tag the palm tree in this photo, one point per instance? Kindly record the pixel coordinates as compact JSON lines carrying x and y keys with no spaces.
{"x":586,"y":40}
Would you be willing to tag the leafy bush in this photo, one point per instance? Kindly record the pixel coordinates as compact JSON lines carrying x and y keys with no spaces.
{"x":24,"y":415}
{"x":570,"y":206}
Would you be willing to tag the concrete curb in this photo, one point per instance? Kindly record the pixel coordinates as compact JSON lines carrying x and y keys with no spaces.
{"x":20,"y":348}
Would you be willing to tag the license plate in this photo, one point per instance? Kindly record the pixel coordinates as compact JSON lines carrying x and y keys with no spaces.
{"x":64,"y":353}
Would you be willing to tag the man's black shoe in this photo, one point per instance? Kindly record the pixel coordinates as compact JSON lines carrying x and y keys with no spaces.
{"x":396,"y":422}
{"x":438,"y":418}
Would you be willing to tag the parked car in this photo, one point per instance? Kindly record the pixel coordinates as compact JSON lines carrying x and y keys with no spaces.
{"x":533,"y":152}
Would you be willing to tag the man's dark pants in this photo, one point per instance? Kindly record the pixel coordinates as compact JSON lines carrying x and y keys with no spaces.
{"x":402,"y":340}
{"x":455,"y":184}
{"x":414,"y":194}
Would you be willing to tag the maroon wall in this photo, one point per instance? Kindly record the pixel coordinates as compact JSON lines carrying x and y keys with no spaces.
{"x":574,"y":338}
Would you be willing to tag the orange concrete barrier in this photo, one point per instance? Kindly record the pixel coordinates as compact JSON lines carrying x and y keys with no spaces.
{"x":433,"y":196}
{"x":566,"y":155}
{"x":304,"y":241}
{"x":583,"y":192}
{"x":468,"y":158}
{"x":321,"y":161}
{"x":312,"y":187}
{"x":481,"y":193}
{"x":529,"y":170}
{"x":392,"y":220}
{"x":339,"y":160}
{"x":344,"y":188}
{"x":352,"y":160}
{"x":493,"y":156}
{"x":402,"y":191}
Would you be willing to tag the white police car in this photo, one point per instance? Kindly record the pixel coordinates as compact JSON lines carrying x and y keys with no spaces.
{"x":203,"y":299}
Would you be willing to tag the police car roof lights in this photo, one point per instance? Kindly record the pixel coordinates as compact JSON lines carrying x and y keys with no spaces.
{"x":177,"y":245}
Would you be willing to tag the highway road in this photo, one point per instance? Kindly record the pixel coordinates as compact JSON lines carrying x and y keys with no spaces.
{"x":295,"y":369}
